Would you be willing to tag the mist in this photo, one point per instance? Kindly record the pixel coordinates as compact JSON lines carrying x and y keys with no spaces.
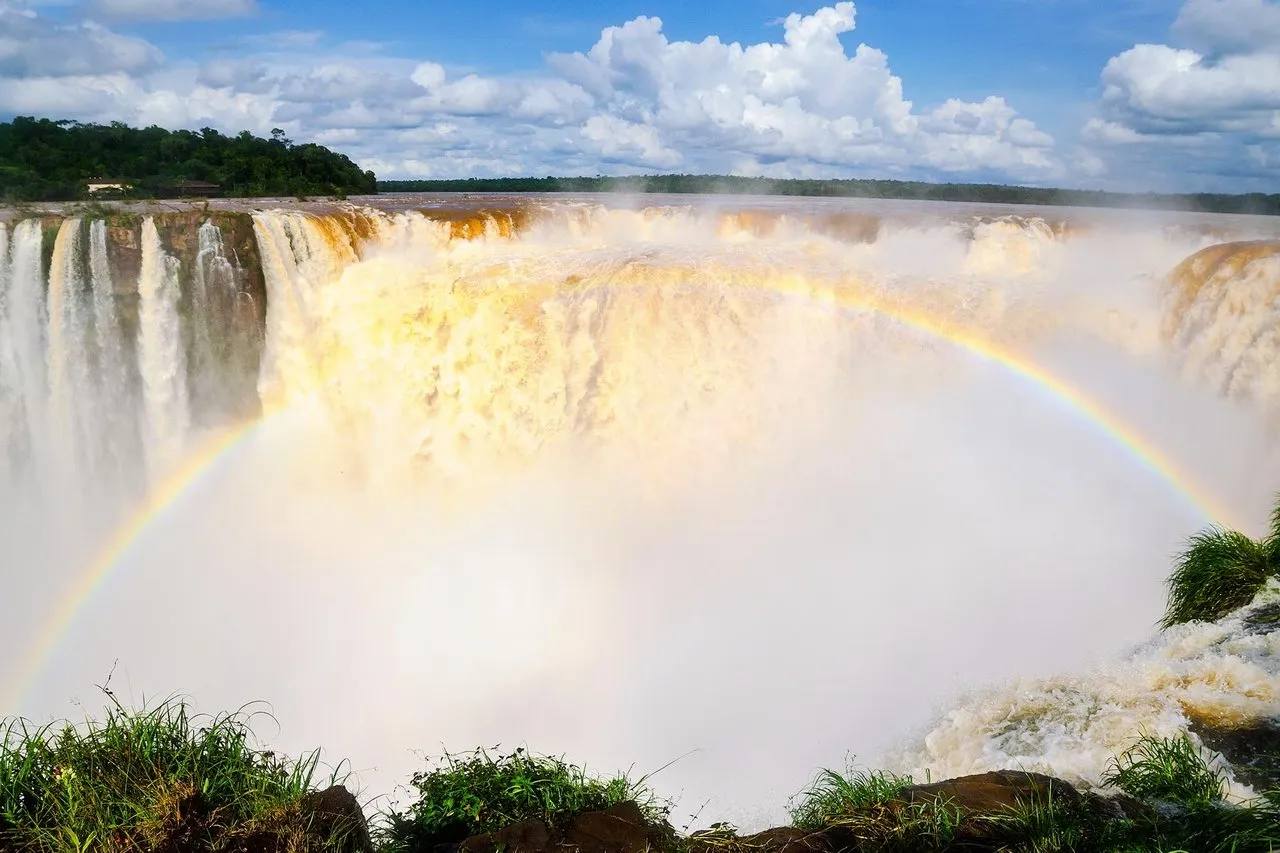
{"x":599,"y":491}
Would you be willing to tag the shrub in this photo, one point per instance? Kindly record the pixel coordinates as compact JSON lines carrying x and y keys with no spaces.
{"x":146,"y":779}
{"x":476,"y":793}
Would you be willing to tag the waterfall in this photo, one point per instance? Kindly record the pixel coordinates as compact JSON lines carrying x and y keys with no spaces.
{"x":161,"y":357}
{"x":9,"y":412}
{"x":72,"y":395}
{"x":216,"y":348}
{"x":115,"y":385}
{"x":22,"y":352}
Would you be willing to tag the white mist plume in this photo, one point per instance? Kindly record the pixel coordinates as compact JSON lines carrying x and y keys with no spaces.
{"x":600,"y":489}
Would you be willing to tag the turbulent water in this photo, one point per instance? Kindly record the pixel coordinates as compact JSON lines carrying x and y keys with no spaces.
{"x":757,"y":484}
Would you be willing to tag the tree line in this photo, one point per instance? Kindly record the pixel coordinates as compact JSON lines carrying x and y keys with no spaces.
{"x":48,"y":160}
{"x":1255,"y":203}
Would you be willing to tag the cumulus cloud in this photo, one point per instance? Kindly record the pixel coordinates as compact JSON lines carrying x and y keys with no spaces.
{"x":1214,"y":94}
{"x":1229,"y":26}
{"x":800,"y":102}
{"x":803,"y":105}
{"x":35,"y":46}
{"x":172,"y":10}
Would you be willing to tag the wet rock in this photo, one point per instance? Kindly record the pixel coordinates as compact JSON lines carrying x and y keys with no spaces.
{"x":1252,"y":750}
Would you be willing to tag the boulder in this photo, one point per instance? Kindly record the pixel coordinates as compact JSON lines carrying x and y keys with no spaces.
{"x":789,"y":839}
{"x":334,"y":817}
{"x":993,"y":793}
{"x":1251,"y":748}
{"x":619,"y":829}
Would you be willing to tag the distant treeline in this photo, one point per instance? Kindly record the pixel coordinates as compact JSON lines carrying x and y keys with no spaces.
{"x":46,"y":160}
{"x":1258,"y":203}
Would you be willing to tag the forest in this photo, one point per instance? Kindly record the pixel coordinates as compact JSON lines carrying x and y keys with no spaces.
{"x":48,"y":160}
{"x":1255,"y":203}
{"x":52,"y":160}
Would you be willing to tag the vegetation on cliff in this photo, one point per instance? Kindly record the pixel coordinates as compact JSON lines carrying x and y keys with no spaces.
{"x":475,"y":794}
{"x":1258,"y":203}
{"x":46,"y":160}
{"x":1220,"y":571}
{"x":156,"y":779}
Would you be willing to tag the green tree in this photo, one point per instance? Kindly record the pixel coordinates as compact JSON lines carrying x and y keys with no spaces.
{"x":1220,"y":571}
{"x":42,"y":159}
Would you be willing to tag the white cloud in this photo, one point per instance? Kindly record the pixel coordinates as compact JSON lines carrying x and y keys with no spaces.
{"x":1229,"y":26}
{"x":622,"y":141}
{"x":803,"y":105}
{"x":1160,"y":88}
{"x":172,"y":10}
{"x":1203,"y":106}
{"x":801,"y":102}
{"x":34,"y":46}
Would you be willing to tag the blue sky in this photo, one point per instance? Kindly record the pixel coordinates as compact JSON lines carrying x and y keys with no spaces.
{"x":1131,"y":94}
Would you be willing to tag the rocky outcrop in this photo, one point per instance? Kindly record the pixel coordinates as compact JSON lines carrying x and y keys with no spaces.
{"x":1252,"y":749}
{"x":991,"y":793}
{"x":620,"y":829}
{"x":334,"y":816}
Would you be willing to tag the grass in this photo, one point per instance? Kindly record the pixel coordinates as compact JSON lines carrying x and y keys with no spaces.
{"x":477,"y":793}
{"x":1220,"y":571}
{"x":833,"y":795}
{"x":1180,"y":808}
{"x":1171,"y":769}
{"x":157,"y":779}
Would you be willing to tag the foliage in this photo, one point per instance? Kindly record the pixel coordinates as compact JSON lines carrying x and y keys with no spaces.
{"x":1178,"y":807}
{"x":1166,"y":769}
{"x":143,"y":780}
{"x":42,"y":159}
{"x":833,"y":794}
{"x":475,"y":793}
{"x":1221,"y":570}
{"x":1257,"y":203}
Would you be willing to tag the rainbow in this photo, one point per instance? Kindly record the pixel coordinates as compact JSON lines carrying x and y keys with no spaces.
{"x":201,"y":462}
{"x":196,"y":467}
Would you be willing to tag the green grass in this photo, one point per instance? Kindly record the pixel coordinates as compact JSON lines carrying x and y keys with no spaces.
{"x":1181,"y":808}
{"x":153,"y":779}
{"x":1171,"y":769}
{"x":477,"y":793}
{"x":833,"y":796}
{"x":1221,"y":571}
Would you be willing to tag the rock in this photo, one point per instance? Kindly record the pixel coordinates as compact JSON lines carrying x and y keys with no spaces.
{"x":993,"y":793}
{"x":1118,"y":807}
{"x":527,"y":836}
{"x":788,"y":839}
{"x":1252,"y":749}
{"x":619,"y":829}
{"x":334,"y":816}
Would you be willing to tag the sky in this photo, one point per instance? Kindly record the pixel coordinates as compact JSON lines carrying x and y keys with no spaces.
{"x":1162,"y":95}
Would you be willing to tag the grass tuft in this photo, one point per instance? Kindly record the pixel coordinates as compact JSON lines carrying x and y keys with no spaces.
{"x":477,"y":793}
{"x":154,"y":779}
{"x":1220,"y":571}
{"x":834,"y":796}
{"x":1169,"y":769}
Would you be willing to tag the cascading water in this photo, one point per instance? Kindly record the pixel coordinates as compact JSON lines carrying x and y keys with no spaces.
{"x":771,"y":484}
{"x":22,"y":369}
{"x":73,"y":397}
{"x":116,"y":382}
{"x":161,"y":355}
